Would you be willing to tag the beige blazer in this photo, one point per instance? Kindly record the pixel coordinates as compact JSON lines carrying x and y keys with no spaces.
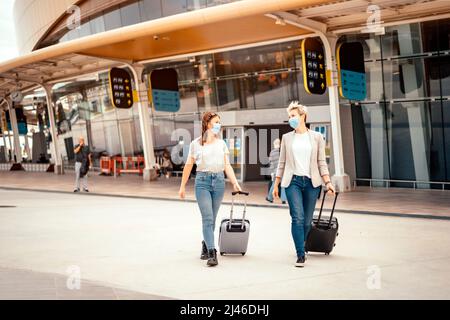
{"x":319,"y":167}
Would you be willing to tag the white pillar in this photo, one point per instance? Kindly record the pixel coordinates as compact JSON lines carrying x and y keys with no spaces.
{"x":15,"y":129}
{"x":144,"y":120}
{"x":56,"y":155}
{"x":340,"y":179}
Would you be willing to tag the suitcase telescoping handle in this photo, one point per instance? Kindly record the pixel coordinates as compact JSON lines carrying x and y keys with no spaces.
{"x":332,"y":210}
{"x":234,"y":193}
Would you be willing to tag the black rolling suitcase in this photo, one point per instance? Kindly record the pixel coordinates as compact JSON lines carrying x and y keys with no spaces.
{"x":324,"y":230}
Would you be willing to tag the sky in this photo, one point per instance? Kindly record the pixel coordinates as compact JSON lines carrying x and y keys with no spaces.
{"x":8,"y":48}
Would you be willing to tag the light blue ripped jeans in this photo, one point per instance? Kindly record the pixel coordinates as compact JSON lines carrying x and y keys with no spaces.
{"x":209,"y":191}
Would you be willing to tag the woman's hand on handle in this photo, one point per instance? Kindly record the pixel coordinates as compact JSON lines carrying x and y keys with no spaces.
{"x":330,"y":188}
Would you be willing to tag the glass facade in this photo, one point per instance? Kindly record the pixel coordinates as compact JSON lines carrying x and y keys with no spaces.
{"x":402,"y":130}
{"x":83,"y":108}
{"x":135,"y":12}
{"x":263,"y":77}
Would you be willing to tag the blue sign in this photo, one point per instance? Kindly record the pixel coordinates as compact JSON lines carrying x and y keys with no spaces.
{"x":165,"y":91}
{"x":165,"y":100}
{"x":353,"y":85}
{"x":352,"y":73}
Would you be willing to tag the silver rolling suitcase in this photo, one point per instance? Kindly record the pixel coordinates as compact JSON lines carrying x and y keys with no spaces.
{"x":234,"y":233}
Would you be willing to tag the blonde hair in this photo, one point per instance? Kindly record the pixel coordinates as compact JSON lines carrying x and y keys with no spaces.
{"x":295,"y":105}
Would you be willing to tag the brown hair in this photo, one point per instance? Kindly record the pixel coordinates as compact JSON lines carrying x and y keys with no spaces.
{"x":207,"y":117}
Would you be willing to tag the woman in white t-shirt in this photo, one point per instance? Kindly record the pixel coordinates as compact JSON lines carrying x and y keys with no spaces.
{"x":302,"y":169}
{"x":210,"y":153}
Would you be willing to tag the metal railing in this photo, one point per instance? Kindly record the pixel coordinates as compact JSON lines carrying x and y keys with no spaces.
{"x":388,"y":181}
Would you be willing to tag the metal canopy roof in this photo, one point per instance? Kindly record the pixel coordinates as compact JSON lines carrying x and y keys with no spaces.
{"x":233,"y":24}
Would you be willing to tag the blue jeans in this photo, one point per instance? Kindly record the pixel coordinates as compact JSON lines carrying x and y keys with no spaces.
{"x":282,"y":195}
{"x":209,"y":191}
{"x":302,"y":198}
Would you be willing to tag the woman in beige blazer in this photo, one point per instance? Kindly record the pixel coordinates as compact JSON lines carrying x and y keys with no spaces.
{"x":302,"y":169}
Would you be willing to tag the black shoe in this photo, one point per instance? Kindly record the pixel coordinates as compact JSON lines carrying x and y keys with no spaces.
{"x":267,"y":199}
{"x":300,"y":262}
{"x":86,"y":190}
{"x":204,"y":254}
{"x":284,"y":202}
{"x":76,"y":190}
{"x":212,"y":258}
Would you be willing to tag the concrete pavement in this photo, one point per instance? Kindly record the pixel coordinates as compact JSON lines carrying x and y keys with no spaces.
{"x":151,"y":247}
{"x":363,"y":200}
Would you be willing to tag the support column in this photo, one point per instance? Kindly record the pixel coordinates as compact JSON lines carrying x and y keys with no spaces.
{"x":56,"y":155}
{"x":144,"y":120}
{"x":340,"y":179}
{"x":15,"y":129}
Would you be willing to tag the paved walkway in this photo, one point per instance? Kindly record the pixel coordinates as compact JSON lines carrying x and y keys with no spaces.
{"x":363,"y":200}
{"x":18,"y":284}
{"x":149,"y":249}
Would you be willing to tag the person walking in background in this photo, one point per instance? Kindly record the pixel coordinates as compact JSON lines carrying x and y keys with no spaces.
{"x":210,"y":153}
{"x":301,"y":170}
{"x":167,"y":165}
{"x":274,"y":157}
{"x":83,"y":161}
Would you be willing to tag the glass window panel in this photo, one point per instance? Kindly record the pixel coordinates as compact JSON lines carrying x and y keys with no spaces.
{"x":369,"y":42}
{"x":402,"y":40}
{"x":444,"y":34}
{"x":437,"y":143}
{"x":150,"y":9}
{"x":112,"y":20}
{"x":97,"y":25}
{"x":211,"y":3}
{"x":446,"y":126}
{"x":130,"y":14}
{"x":370,"y":141}
{"x":195,"y":4}
{"x":411,"y":78}
{"x":188,"y":97}
{"x":85,"y":30}
{"x":206,"y":96}
{"x":235,"y":94}
{"x":275,"y":90}
{"x":430,"y":36}
{"x":171,"y":7}
{"x":72,"y":34}
{"x":409,"y":140}
{"x":444,"y":68}
{"x":163,"y":128}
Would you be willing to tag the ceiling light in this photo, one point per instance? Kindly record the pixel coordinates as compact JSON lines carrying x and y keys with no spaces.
{"x":280,"y":22}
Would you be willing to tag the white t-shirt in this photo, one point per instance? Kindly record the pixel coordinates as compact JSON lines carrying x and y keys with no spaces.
{"x":209,"y":157}
{"x":302,"y":148}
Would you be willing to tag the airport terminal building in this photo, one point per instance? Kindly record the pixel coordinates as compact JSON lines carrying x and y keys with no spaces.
{"x":247,"y":68}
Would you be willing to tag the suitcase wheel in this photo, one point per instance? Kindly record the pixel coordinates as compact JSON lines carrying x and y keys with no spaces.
{"x":327,"y":253}
{"x":221,"y":253}
{"x":243,"y":253}
{"x":337,"y":234}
